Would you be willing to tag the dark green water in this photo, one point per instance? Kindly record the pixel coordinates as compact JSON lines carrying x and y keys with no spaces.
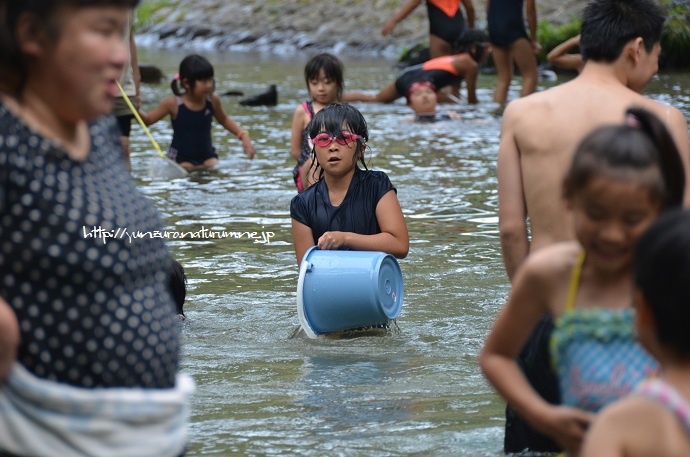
{"x":416,"y":392}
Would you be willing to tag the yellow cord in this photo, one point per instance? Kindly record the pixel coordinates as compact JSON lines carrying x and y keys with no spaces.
{"x":136,"y":114}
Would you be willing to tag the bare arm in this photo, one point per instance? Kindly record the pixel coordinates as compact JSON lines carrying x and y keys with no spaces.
{"x":532,"y":23}
{"x":232,"y":126}
{"x":136,"y":73}
{"x":512,"y":209}
{"x":469,"y":10}
{"x":166,"y":107}
{"x":678,"y":127}
{"x":9,"y":339}
{"x":393,"y":238}
{"x":528,"y":302}
{"x":401,"y":14}
{"x":559,"y":55}
{"x":298,"y":125}
{"x":303,"y":238}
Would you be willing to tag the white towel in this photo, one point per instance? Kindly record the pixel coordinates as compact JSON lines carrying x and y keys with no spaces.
{"x":42,"y":418}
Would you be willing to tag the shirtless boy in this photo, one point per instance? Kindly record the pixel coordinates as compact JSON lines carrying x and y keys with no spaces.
{"x":620,"y":48}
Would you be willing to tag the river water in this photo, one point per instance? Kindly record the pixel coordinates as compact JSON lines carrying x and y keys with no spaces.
{"x":416,"y":391}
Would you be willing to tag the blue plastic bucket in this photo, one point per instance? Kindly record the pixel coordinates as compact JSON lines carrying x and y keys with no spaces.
{"x":344,"y":290}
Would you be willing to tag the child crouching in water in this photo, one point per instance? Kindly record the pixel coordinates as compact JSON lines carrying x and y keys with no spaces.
{"x":620,"y":179}
{"x":191,"y":113}
{"x":655,"y":420}
{"x":347,"y":208}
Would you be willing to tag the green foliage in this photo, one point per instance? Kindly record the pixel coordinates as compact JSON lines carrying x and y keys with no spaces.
{"x":551,"y":36}
{"x":675,"y":38}
{"x":147,"y":9}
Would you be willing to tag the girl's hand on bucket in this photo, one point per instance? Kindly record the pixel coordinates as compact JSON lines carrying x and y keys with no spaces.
{"x":332,"y":240}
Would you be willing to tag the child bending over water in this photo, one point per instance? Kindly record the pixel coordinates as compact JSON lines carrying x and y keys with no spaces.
{"x":620,"y":179}
{"x":655,"y":420}
{"x":348,"y":208}
{"x":191,"y":113}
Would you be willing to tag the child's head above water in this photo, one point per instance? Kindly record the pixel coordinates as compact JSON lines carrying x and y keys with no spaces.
{"x":192,"y":69}
{"x":339,"y":121}
{"x":662,"y":277}
{"x":421,"y":97}
{"x":641,"y":150}
{"x":328,"y":67}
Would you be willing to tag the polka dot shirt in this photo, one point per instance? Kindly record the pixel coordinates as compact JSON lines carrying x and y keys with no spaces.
{"x":92,"y":312}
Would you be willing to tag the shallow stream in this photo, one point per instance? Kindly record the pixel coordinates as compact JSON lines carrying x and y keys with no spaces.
{"x":418,"y":391}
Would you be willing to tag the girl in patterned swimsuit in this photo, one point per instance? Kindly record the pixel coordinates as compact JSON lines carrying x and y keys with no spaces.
{"x":324,"y":77}
{"x":620,"y":179}
{"x":655,"y":420}
{"x":192,"y":112}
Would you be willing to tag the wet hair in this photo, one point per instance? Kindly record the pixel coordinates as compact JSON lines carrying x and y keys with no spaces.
{"x":13,"y":64}
{"x":608,"y":25}
{"x":178,"y":285}
{"x":332,"y":67}
{"x":331,"y":119}
{"x":662,"y":274}
{"x":192,"y":68}
{"x":643,"y":143}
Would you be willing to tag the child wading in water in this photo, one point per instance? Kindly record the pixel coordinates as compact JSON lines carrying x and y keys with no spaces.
{"x":620,"y":179}
{"x":655,"y":420}
{"x":192,"y":112}
{"x":348,"y":208}
{"x":324,"y":77}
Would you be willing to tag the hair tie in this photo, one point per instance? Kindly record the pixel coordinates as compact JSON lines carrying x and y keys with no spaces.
{"x":631,"y":120}
{"x":176,"y":77}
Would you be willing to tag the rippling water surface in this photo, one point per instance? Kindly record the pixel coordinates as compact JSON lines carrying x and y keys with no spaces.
{"x":418,"y":391}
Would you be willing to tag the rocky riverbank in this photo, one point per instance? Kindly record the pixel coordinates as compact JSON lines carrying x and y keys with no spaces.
{"x":346,"y":26}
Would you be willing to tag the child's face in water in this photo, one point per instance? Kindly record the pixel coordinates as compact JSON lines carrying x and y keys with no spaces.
{"x":423,"y":100}
{"x":610,"y":215}
{"x":323,"y":89}
{"x":338,"y":159}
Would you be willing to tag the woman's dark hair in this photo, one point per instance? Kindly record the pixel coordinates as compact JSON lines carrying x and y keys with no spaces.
{"x":640,"y":144}
{"x":608,"y":25}
{"x":332,"y":119}
{"x":178,"y":285}
{"x":332,"y":67}
{"x":192,"y":68}
{"x":662,"y":273}
{"x":13,"y":66}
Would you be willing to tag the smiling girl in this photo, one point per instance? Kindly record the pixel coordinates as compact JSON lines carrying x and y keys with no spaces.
{"x":620,"y":179}
{"x":348,"y":208}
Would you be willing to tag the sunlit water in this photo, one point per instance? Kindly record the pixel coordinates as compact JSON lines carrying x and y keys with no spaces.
{"x":418,"y":391}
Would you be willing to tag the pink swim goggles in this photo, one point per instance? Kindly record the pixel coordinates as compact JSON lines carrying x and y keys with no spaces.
{"x":323,"y":139}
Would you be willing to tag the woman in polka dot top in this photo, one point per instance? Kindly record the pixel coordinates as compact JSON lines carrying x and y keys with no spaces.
{"x":87,"y":320}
